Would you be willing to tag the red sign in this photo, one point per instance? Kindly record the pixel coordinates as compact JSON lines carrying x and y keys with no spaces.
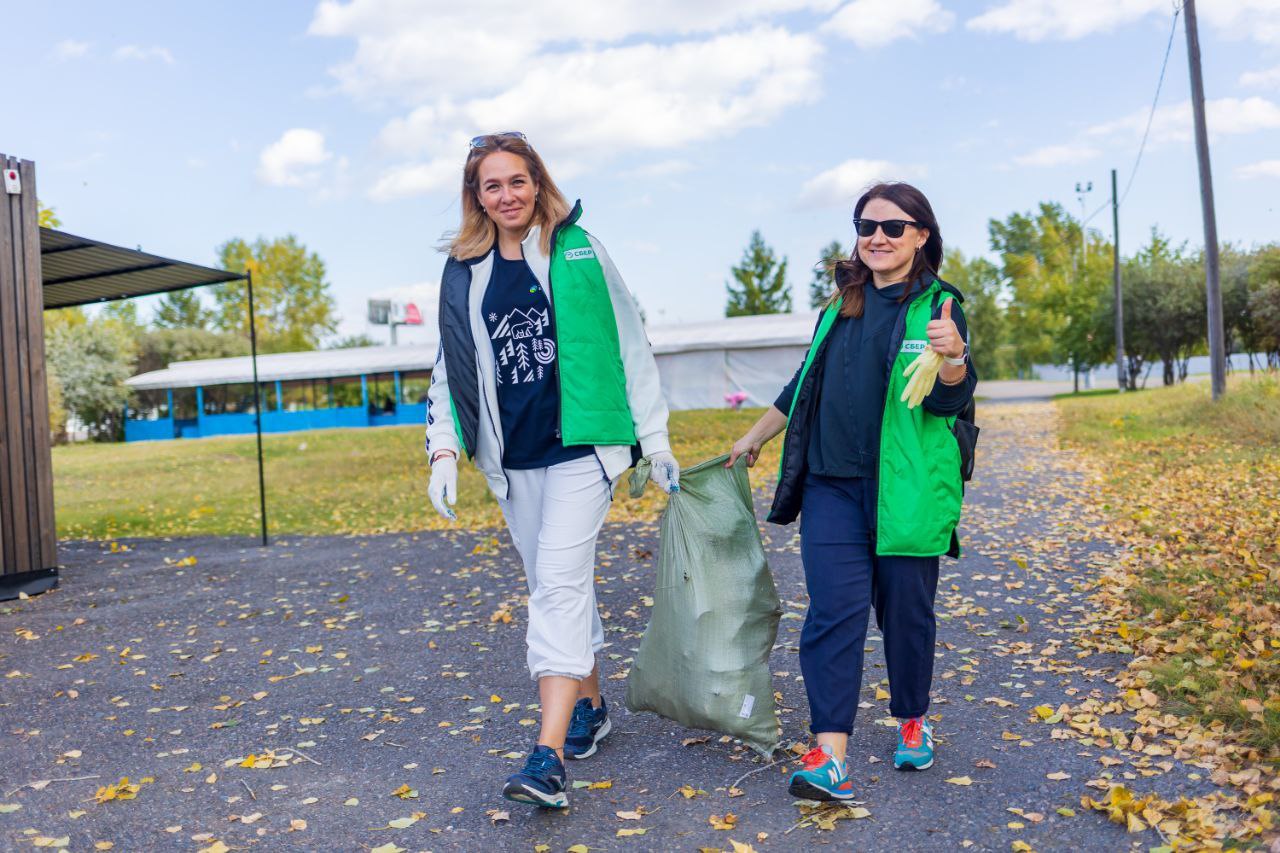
{"x":412,"y":317}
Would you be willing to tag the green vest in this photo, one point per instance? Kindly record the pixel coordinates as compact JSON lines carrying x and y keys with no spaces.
{"x":593,"y":383}
{"x":918,"y":505}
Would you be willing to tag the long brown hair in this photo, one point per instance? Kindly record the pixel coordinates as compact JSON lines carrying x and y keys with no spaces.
{"x":853,"y":276}
{"x":477,"y":233}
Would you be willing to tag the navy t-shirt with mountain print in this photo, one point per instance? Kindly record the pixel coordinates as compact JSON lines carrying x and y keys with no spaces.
{"x":518,"y":318}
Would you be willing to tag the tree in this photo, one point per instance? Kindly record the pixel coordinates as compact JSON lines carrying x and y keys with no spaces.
{"x":291,"y":297}
{"x":759,"y":282}
{"x":1055,"y":288}
{"x":1237,"y":319}
{"x":824,"y":274}
{"x":353,"y":341}
{"x":1170,"y":319}
{"x":1264,"y":301}
{"x":159,"y":348}
{"x":182,"y":309}
{"x":92,"y":359}
{"x":48,"y":218}
{"x":980,"y":282}
{"x":125,"y":313}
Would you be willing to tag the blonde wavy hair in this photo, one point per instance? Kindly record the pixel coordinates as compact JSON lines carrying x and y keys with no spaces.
{"x":477,"y":233}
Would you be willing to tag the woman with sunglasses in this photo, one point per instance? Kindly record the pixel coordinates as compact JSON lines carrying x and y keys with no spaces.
{"x":876,"y":484}
{"x":545,"y":379}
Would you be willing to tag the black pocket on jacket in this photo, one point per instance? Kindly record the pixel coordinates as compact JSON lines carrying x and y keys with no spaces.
{"x":966,"y":433}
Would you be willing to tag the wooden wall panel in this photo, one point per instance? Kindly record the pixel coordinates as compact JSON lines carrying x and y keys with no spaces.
{"x":28,"y":533}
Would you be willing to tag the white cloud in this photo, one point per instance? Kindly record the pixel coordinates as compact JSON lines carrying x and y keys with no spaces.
{"x":1232,"y":116}
{"x":402,"y":50}
{"x":875,"y":23}
{"x":143,"y":54}
{"x":1038,"y":20}
{"x":295,"y":159}
{"x":584,"y":108}
{"x":841,"y":185}
{"x":660,"y":169}
{"x":1258,"y":20}
{"x":1057,"y":155}
{"x":70,"y":49}
{"x":1261,"y":169}
{"x":1266,"y":79}
{"x":410,"y":179}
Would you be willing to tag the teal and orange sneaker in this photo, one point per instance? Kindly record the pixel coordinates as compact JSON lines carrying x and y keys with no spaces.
{"x":915,"y":745}
{"x":823,"y":778}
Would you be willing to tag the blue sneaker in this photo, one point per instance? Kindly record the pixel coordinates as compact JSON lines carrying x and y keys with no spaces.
{"x":541,"y":783}
{"x":823,"y":778}
{"x":915,"y":745}
{"x":587,"y":728}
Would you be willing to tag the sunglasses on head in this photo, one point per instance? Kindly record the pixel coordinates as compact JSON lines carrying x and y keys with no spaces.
{"x":485,"y":140}
{"x":892,"y":228}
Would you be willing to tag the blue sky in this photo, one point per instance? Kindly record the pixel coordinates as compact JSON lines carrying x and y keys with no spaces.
{"x":682,"y":126}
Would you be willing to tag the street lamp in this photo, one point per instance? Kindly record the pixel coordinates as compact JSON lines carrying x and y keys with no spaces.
{"x":1083,"y":189}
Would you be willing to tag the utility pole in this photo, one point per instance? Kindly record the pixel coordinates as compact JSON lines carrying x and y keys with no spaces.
{"x":1213,"y":288}
{"x":1115,"y":262}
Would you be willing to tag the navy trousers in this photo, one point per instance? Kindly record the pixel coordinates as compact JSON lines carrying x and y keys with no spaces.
{"x":846,"y":579}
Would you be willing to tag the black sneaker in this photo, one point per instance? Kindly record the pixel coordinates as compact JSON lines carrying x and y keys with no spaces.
{"x":542,"y":781}
{"x":587,"y":728}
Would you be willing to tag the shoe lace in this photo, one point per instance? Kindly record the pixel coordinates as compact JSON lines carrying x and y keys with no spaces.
{"x":541,"y":763}
{"x":580,"y":722}
{"x":814,"y":758}
{"x":912,"y":733}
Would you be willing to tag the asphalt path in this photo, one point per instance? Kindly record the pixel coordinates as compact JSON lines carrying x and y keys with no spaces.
{"x":363,"y":666}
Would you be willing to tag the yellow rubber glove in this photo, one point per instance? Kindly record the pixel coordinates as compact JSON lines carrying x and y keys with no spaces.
{"x":921,"y":373}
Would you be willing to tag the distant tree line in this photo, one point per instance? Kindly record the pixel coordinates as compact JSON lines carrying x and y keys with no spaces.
{"x":1048,"y":298}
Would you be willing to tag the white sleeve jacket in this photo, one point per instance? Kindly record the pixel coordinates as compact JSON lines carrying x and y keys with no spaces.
{"x":462,"y":403}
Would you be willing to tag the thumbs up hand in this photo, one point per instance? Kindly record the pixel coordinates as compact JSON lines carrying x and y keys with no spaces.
{"x":944,"y":337}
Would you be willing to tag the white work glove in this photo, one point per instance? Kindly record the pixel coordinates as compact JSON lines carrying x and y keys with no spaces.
{"x":665,"y":471}
{"x":444,"y":485}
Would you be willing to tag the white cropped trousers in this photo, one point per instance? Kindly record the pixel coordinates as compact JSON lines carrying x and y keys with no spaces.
{"x":554,"y":515}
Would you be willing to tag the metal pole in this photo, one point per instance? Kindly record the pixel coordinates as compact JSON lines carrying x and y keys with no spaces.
{"x":1115,"y":263}
{"x":257,"y":408}
{"x":1213,"y":289}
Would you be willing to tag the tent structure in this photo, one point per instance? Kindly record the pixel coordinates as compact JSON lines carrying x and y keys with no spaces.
{"x":43,"y":268}
{"x":701,"y":364}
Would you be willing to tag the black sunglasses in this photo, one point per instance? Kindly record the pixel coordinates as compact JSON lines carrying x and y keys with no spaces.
{"x":893,"y":228}
{"x":484,"y":140}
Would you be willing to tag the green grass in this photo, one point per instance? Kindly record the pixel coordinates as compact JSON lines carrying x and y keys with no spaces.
{"x":318,"y":482}
{"x":1247,"y":416}
{"x":1092,"y":392}
{"x":1194,"y":487}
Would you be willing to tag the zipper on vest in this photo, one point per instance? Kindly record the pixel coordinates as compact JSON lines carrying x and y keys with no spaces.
{"x":555,"y":327}
{"x":493,"y":422}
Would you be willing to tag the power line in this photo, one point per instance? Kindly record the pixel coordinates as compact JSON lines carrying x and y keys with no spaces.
{"x":1151,"y":116}
{"x":1173,"y":29}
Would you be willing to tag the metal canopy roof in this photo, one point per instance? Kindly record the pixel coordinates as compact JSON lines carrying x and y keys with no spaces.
{"x":287,"y":366}
{"x":79,"y":271}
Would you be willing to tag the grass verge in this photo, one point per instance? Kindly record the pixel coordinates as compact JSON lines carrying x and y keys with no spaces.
{"x":320,"y":482}
{"x":1194,"y":486}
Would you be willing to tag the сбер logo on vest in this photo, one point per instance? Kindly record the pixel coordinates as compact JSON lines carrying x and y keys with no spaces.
{"x":579,"y":254}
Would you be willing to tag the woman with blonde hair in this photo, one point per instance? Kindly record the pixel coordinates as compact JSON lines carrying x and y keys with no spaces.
{"x":545,"y":379}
